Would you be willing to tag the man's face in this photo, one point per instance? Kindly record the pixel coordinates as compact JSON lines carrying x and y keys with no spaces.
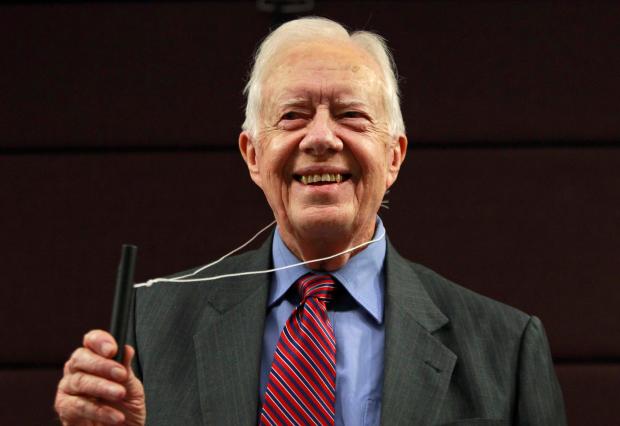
{"x":323,"y":157}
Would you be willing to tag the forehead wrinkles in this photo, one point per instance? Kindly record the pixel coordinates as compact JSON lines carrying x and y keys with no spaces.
{"x":318,"y":73}
{"x":321,"y":94}
{"x":319,"y":57}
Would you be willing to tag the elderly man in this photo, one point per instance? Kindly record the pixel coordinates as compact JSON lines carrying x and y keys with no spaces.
{"x":361,"y":338}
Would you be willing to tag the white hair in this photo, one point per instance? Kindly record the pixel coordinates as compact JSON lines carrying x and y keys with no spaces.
{"x":317,"y":28}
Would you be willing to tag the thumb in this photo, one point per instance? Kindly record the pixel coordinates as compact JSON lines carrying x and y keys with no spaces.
{"x":128,"y":357}
{"x":133,"y":385}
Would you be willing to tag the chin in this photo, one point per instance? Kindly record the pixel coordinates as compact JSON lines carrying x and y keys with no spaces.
{"x":325,"y":223}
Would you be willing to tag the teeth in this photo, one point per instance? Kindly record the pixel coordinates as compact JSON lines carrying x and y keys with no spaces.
{"x":325,"y":177}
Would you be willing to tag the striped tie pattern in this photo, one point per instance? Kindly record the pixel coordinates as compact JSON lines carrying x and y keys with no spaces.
{"x":301,"y":389}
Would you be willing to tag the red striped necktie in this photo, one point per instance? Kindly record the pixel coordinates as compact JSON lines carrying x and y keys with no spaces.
{"x":301,"y":389}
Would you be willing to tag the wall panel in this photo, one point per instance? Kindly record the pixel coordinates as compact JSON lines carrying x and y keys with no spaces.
{"x":528,"y":227}
{"x":590,"y":392}
{"x":119,"y":121}
{"x":171,"y":73}
{"x":28,"y":396}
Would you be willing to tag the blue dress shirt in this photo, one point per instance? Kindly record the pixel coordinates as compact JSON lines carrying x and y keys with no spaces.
{"x":357,"y":318}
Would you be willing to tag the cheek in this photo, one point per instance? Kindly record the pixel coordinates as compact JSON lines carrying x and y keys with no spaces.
{"x":370,"y":159}
{"x":374,"y":176}
{"x":274,"y":159}
{"x":276,"y":173}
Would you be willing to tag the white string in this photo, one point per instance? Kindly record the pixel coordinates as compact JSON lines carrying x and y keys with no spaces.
{"x":215,"y":262}
{"x":182,"y":279}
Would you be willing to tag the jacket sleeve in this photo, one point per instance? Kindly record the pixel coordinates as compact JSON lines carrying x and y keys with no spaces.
{"x":539,"y":397}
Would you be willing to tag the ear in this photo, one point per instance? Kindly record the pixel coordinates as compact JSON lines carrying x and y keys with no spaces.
{"x":396,"y":156}
{"x":250,"y":154}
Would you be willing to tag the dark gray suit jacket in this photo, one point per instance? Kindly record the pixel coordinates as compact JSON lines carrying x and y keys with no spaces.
{"x":452,"y":357}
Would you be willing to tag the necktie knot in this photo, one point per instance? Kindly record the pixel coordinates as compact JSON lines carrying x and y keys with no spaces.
{"x":319,"y":286}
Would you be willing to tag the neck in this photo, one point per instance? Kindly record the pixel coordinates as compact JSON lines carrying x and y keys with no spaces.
{"x":318,"y":245}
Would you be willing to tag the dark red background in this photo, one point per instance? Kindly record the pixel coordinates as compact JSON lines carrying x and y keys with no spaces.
{"x":119,"y":121}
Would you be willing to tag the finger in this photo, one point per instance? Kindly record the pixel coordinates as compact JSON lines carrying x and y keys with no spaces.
{"x":75,"y":408}
{"x":83,"y":384}
{"x":87,"y":361}
{"x":101,"y":342}
{"x":133,"y":385}
{"x":129,"y":354}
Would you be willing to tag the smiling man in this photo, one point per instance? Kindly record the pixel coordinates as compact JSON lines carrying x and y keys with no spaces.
{"x":323,"y":151}
{"x":362,"y":338}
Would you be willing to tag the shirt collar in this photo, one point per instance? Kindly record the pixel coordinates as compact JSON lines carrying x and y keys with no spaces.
{"x":361,"y":276}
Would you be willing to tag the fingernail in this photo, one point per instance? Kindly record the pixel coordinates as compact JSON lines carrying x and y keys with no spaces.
{"x":116,"y":417}
{"x":116,"y":392}
{"x":107,"y":349}
{"x":118,"y":373}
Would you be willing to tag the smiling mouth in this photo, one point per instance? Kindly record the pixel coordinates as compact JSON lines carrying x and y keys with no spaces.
{"x":322,"y":179}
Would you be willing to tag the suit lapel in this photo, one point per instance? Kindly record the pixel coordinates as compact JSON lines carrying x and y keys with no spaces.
{"x":417,"y":366}
{"x":228,"y":346}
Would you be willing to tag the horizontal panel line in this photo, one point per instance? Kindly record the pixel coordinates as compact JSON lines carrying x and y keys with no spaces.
{"x":45,"y":2}
{"x":557,"y":361}
{"x":465,"y":145}
{"x":111,"y":150}
{"x":498,"y":145}
{"x":31,"y":366}
{"x":586,"y":361}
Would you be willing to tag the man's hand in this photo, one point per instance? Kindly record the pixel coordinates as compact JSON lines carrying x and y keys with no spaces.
{"x":96,"y":390}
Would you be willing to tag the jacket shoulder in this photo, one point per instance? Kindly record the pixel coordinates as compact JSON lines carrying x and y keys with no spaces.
{"x":471,"y":312}
{"x":161,"y":308}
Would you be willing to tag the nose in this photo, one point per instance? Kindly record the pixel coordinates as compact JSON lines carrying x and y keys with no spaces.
{"x":320,"y":138}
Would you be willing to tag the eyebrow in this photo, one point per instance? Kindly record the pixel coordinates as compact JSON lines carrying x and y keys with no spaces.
{"x":338,"y":103}
{"x":345,"y":103}
{"x":295,"y":102}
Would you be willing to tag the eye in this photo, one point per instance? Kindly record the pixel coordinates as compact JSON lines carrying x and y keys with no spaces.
{"x":291,"y":120}
{"x":290,"y":115}
{"x":354,"y":119}
{"x":352,"y":114}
